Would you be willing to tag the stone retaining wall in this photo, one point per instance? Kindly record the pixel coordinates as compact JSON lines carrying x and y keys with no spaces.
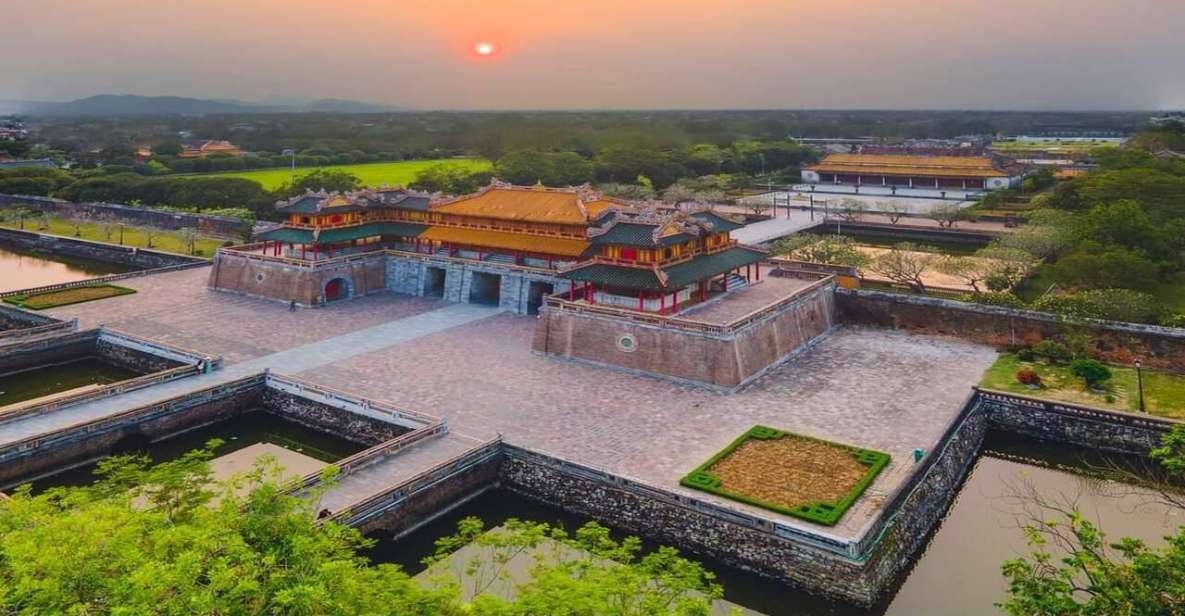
{"x":15,"y":318}
{"x":218,"y":226}
{"x":424,"y":505}
{"x":132,"y":359}
{"x":28,"y":354}
{"x":724,"y":362}
{"x":319,"y":416}
{"x":1098,"y":429}
{"x":54,"y":245}
{"x":280,"y":281}
{"x":60,"y":450}
{"x":1160,"y":348}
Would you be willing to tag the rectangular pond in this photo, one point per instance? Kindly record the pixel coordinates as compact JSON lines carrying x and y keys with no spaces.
{"x":959,"y":570}
{"x":57,"y":378}
{"x":238,"y":433}
{"x":20,"y":269}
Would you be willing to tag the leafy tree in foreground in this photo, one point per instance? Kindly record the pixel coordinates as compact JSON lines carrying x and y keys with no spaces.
{"x":1074,"y":570}
{"x":167,"y":539}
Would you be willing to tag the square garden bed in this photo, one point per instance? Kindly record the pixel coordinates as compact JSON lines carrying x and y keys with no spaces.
{"x":800,"y":476}
{"x":66,"y":297}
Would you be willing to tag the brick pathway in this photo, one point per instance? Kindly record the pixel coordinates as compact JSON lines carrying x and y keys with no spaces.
{"x":306,"y":357}
{"x":881,"y":389}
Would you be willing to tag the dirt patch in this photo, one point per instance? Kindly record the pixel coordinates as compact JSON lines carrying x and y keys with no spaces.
{"x":789,"y":471}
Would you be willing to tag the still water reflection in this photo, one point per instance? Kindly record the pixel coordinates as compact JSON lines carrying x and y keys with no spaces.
{"x":23,"y":270}
{"x":959,"y":572}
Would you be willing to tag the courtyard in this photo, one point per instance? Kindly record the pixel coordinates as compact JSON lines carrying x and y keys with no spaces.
{"x":870,"y":388}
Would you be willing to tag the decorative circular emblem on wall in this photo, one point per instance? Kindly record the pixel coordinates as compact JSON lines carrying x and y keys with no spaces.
{"x":627,"y":343}
{"x":259,"y":277}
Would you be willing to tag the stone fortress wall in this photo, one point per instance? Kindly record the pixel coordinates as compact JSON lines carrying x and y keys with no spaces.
{"x":219,"y":226}
{"x":722,"y":357}
{"x":139,"y":258}
{"x":1161,"y":348}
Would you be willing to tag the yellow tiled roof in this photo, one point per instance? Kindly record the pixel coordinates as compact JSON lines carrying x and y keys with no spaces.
{"x":507,"y":241}
{"x":520,"y":204}
{"x":902,"y":164}
{"x":594,"y":208}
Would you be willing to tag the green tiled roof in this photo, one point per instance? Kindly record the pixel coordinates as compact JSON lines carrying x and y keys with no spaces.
{"x":287,"y":235}
{"x":720,"y":224}
{"x":714,"y":264}
{"x":637,"y":234}
{"x":343,"y":234}
{"x":678,"y":276}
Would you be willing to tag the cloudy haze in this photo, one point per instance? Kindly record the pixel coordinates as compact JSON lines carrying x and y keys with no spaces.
{"x":997,"y":54}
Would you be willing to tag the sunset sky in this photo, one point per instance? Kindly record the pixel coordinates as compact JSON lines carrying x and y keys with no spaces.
{"x":997,"y":54}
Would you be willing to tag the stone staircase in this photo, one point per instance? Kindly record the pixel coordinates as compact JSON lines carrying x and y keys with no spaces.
{"x":735,"y":282}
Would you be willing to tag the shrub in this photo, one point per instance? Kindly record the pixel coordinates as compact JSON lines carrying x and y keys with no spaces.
{"x":1028,"y":376}
{"x":1107,"y":304}
{"x":1090,"y":370}
{"x":1052,"y":350}
{"x":1174,"y":320}
{"x":1003,"y":299}
{"x":1026,"y":354}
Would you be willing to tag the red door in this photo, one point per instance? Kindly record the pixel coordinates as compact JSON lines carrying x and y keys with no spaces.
{"x":334,"y":290}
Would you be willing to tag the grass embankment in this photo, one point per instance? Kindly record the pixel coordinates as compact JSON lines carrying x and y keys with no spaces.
{"x":166,"y":241}
{"x":65,"y":297}
{"x":371,"y":174}
{"x":1164,"y":393}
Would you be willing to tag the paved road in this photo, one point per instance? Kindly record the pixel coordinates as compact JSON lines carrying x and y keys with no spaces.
{"x":768,"y":230}
{"x":291,"y":361}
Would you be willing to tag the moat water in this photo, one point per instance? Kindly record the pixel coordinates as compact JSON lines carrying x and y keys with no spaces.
{"x":959,"y":570}
{"x":22,"y":270}
{"x":236,"y":433}
{"x":59,"y":378}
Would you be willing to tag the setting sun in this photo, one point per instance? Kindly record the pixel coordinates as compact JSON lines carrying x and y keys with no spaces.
{"x":484,"y":49}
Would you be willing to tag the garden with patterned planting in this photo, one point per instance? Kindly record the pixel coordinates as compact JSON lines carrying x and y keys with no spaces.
{"x":800,"y":476}
{"x":65,"y":297}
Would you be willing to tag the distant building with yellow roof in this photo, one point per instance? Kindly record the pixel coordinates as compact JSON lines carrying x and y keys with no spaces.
{"x":501,"y":241}
{"x":910,"y":171}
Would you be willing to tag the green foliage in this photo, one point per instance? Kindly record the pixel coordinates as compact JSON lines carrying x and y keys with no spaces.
{"x":1106,"y":268}
{"x":451,"y":179}
{"x":828,"y":249}
{"x":527,"y":167}
{"x":1004,"y":299}
{"x":1052,"y":350}
{"x":585,"y":572}
{"x":329,"y":180}
{"x":1075,"y":570}
{"x":1091,"y":371}
{"x":168,"y":539}
{"x":826,"y":513}
{"x":1107,"y":304}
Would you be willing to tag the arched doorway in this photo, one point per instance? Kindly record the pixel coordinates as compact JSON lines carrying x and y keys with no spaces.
{"x":338,"y":288}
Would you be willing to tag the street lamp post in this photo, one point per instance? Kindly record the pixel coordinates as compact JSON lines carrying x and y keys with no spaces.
{"x":1140,"y":385}
{"x":291,"y":153}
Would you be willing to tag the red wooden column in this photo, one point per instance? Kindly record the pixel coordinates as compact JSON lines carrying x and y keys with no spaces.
{"x":662,"y":302}
{"x":572,"y":291}
{"x":725,"y":283}
{"x":641,"y":303}
{"x":757,"y":270}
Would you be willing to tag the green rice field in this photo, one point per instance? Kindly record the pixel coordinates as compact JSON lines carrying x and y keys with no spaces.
{"x":372,"y":174}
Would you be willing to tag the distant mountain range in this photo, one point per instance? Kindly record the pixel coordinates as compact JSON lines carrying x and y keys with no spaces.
{"x":133,"y":105}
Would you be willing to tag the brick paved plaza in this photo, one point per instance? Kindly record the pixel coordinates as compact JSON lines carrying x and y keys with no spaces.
{"x":881,"y":389}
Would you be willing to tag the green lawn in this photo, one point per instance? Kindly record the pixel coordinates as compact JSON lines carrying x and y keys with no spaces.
{"x":66,"y":297}
{"x":1164,"y":393}
{"x":372,"y":174}
{"x":167,"y":241}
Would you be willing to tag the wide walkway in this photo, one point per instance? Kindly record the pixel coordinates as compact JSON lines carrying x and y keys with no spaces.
{"x":395,"y":469}
{"x":775,"y":228}
{"x":291,"y":361}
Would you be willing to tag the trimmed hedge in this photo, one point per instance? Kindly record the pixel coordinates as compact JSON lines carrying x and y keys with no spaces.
{"x":66,"y":297}
{"x":820,"y":512}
